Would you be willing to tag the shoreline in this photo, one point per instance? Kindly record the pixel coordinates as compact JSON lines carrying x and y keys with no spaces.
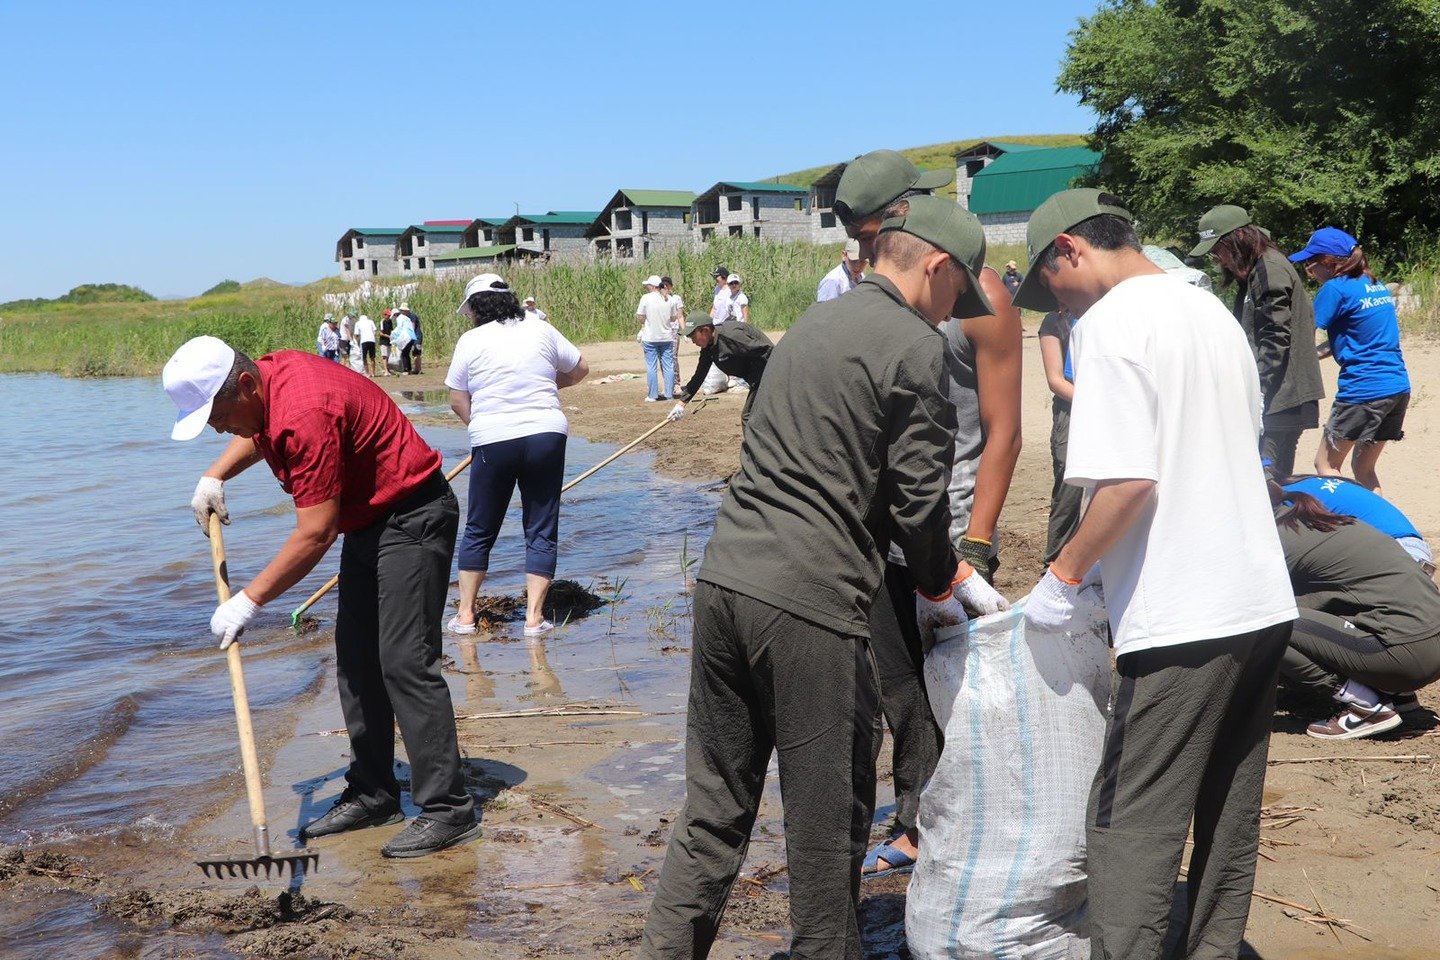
{"x":1363,"y":830}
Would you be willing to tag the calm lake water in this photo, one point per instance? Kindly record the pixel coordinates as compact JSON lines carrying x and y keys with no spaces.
{"x":116,"y":723}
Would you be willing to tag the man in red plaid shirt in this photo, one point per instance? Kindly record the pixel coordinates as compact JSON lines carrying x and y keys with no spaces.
{"x":354,"y":464}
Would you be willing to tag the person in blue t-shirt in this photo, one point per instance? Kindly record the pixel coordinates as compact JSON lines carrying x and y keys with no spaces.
{"x":1362,"y":332}
{"x":1347,"y":498}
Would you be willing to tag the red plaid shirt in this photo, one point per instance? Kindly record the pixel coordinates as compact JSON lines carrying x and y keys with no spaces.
{"x":331,"y":432}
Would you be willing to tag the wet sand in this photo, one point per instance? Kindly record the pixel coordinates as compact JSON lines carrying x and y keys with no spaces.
{"x":1357,"y":834}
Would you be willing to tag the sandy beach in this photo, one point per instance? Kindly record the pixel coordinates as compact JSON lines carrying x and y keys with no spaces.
{"x":568,"y":858}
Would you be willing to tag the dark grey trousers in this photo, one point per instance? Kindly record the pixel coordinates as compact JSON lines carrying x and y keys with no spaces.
{"x":1325,"y":651}
{"x":1065,"y":500}
{"x":900,"y":664}
{"x":1188,"y":739}
{"x":761,"y":681}
{"x":394,"y":575}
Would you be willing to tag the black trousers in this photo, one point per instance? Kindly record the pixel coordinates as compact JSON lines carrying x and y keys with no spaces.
{"x":1188,"y":739}
{"x":900,"y":664}
{"x":1066,"y":500}
{"x":394,"y":575}
{"x":762,"y":681}
{"x":1325,"y":651}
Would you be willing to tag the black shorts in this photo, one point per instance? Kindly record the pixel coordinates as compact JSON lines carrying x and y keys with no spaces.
{"x":1367,"y":422}
{"x":367,"y":350}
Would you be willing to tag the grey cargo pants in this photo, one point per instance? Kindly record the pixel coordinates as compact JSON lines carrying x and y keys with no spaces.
{"x":1189,"y":736}
{"x":763,"y":680}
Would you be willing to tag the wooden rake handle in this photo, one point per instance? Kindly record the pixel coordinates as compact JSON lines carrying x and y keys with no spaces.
{"x":248,"y":758}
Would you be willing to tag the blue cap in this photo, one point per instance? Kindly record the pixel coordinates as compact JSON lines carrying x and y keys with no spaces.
{"x":1327,"y":240}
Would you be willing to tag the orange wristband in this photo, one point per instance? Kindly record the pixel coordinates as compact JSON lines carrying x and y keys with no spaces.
{"x":1073,"y":583}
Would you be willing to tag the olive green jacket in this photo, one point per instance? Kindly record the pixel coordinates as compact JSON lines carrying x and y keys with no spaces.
{"x":1274,"y":309}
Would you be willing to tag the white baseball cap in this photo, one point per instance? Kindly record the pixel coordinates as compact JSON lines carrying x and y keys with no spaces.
{"x":192,"y":377}
{"x":734,"y":278}
{"x":486,"y":281}
{"x":652,"y":281}
{"x":405,"y":306}
{"x":852,"y":250}
{"x":529,"y":300}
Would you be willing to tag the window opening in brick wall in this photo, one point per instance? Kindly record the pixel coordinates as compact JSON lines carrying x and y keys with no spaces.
{"x":734,"y":202}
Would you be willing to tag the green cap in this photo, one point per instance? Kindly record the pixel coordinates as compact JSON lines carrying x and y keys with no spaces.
{"x":1053,"y":217}
{"x":873,"y":181}
{"x":694,"y":320}
{"x":957,"y":231}
{"x":1217,"y":222}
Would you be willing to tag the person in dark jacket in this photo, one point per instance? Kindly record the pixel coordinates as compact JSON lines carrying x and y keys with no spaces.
{"x":848,"y":447}
{"x":1275,"y":312}
{"x":735,"y":347}
{"x":1369,"y":627}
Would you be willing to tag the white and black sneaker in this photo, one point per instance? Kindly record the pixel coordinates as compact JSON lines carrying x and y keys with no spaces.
{"x":1354,"y":722}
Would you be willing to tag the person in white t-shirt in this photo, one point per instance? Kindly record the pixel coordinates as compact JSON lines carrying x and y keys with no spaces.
{"x":847,"y":273}
{"x":504,"y":382}
{"x":655,"y":313}
{"x":533,"y":312}
{"x":739,"y":302}
{"x":365,"y":336}
{"x":677,"y":320}
{"x":1164,"y":434}
{"x":347,"y":330}
{"x":720,"y":301}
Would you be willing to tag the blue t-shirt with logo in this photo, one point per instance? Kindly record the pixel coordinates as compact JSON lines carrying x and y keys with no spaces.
{"x":1358,"y":317}
{"x":1349,"y":498}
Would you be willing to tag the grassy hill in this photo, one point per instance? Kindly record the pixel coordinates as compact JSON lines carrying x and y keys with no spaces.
{"x":939,"y":155}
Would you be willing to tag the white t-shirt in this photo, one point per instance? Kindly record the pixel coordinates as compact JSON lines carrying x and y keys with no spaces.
{"x":677,"y":314}
{"x":1166,"y":390}
{"x":738,"y":301}
{"x":655,"y":310}
{"x":509,"y":368}
{"x":836,"y":284}
{"x":535,"y":313}
{"x":365,"y":329}
{"x":345,"y":329}
{"x":720,"y":305}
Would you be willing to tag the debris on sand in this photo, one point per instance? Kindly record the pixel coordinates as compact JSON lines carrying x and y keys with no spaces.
{"x":200,"y":911}
{"x":16,"y":862}
{"x":567,"y":601}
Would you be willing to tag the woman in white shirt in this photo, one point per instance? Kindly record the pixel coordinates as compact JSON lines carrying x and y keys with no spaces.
{"x":504,"y":384}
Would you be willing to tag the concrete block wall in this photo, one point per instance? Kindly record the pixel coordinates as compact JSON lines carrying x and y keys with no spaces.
{"x":1005,"y":228}
{"x":773,"y":213}
{"x":375,"y":259}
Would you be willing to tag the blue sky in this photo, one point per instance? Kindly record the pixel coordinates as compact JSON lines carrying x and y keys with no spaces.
{"x":175,"y":145}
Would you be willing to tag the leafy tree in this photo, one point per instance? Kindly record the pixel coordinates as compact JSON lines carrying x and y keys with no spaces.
{"x":224,"y":286}
{"x":1307,"y":112}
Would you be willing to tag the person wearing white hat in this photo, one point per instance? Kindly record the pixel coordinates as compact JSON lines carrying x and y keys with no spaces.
{"x":327,"y":341}
{"x":842,"y":279}
{"x":739,"y":302}
{"x":533,"y":312}
{"x":418,"y":344}
{"x":656,"y":336}
{"x":504,"y":380}
{"x":356,"y":467}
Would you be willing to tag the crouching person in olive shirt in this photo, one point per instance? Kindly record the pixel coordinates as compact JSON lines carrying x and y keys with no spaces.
{"x":737,"y":348}
{"x":849,"y":442}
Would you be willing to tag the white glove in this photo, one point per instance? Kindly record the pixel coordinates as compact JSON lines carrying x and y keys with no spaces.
{"x":979,"y":596}
{"x":231,"y":618}
{"x":1053,"y":603}
{"x":209,"y":498}
{"x":935,"y":613}
{"x":676,"y":412}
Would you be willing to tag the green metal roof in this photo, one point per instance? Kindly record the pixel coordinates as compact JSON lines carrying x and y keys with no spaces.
{"x":494,"y":221}
{"x":1009,"y":147}
{"x":474,"y":253}
{"x":1017,"y":182}
{"x":658,"y":198}
{"x":378,"y":231}
{"x":764,"y":187}
{"x":571,"y":218}
{"x":421,"y":228}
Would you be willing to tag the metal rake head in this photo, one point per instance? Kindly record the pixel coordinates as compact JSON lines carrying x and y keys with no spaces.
{"x":296,"y":864}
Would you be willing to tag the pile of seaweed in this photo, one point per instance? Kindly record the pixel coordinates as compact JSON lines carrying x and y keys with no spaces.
{"x":567,"y":602}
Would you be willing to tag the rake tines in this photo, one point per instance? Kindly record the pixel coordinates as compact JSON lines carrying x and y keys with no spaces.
{"x":297,"y":864}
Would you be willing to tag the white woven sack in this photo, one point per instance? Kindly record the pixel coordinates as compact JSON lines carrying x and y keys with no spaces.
{"x":1001,"y":872}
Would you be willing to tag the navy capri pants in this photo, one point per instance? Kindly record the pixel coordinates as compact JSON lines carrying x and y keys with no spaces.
{"x":537,"y":465}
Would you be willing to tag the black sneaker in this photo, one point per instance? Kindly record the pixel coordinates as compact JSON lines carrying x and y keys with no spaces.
{"x":425,"y":836}
{"x":350,"y":813}
{"x":1406,"y":703}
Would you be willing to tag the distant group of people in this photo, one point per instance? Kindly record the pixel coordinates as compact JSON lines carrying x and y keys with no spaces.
{"x":879,"y":443}
{"x":356,"y":342}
